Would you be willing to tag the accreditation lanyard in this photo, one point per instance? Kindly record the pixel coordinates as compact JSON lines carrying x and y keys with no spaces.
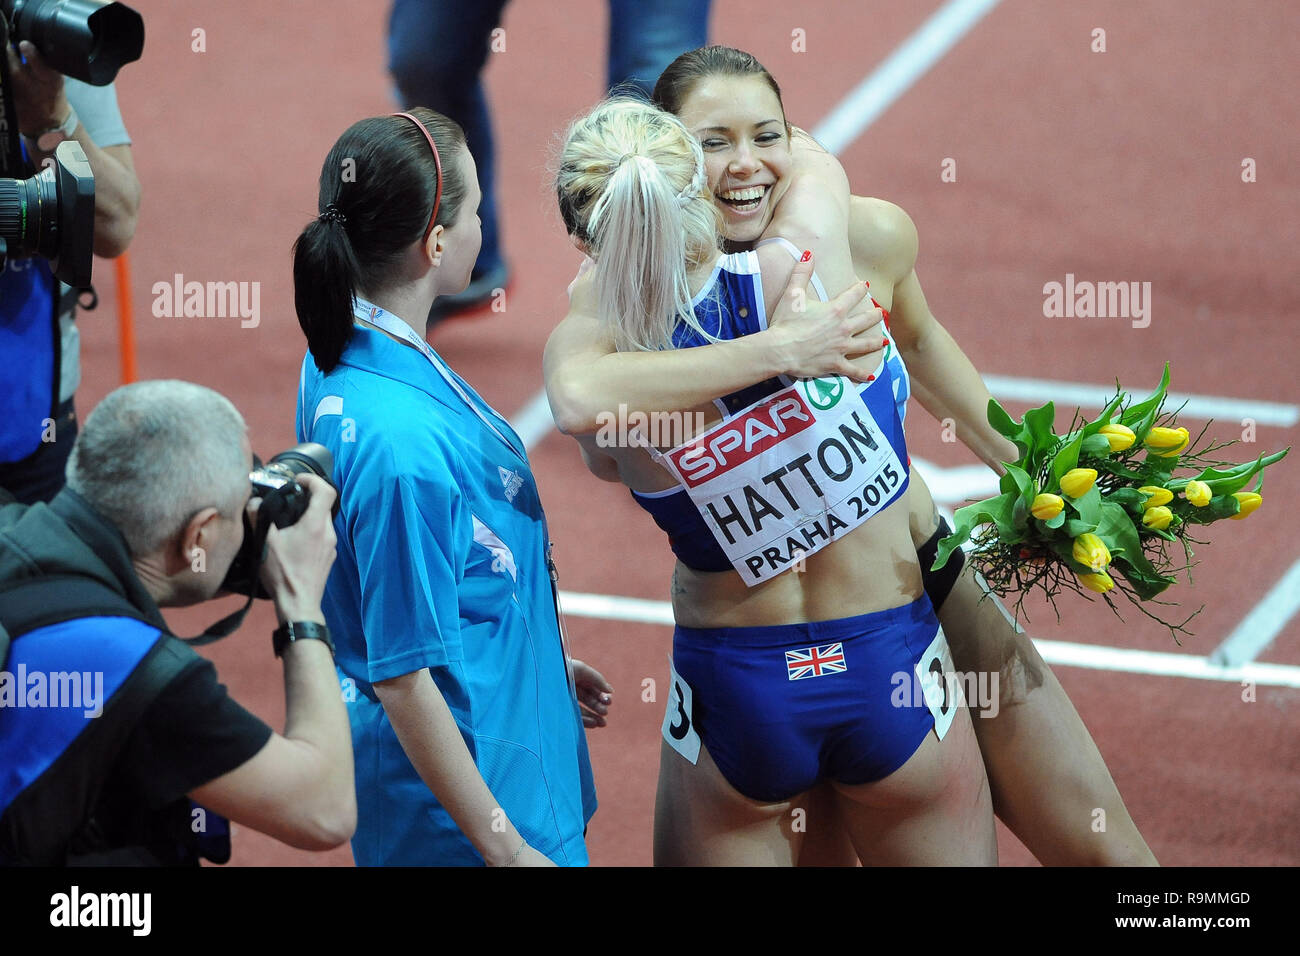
{"x":372,"y":314}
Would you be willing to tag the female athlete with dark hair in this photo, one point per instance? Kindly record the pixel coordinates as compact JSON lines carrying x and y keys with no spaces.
{"x":469,"y":743}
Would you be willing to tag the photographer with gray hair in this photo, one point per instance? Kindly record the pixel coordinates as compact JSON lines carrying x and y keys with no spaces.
{"x":117,"y":744}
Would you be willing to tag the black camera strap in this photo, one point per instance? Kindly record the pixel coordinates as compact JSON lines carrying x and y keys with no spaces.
{"x":228,"y":624}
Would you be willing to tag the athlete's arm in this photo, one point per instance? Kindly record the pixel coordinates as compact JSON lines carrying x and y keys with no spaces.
{"x":586,"y":376}
{"x":299,"y":787}
{"x":600,"y":464}
{"x":883,"y":238}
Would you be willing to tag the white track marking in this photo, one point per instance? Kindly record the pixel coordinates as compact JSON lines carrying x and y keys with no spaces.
{"x":1065,"y":653}
{"x":1258,"y":628}
{"x":1067,"y":394}
{"x":955,"y":485}
{"x":896,"y":74}
{"x":533,"y":422}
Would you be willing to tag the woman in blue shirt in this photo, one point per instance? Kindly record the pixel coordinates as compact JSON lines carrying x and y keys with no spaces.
{"x":467,"y":733}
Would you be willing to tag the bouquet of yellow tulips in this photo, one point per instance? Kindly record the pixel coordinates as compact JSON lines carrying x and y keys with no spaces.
{"x":1099,"y":506}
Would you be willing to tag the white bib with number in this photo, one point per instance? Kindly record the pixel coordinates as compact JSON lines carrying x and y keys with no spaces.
{"x":788,"y":475}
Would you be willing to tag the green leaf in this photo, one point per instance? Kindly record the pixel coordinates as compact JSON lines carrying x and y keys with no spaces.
{"x":1096,"y":445}
{"x":1225,"y":482}
{"x":1066,"y":458}
{"x":1120,"y":535}
{"x":1127,"y":497}
{"x":1041,"y":438}
{"x":1146,"y":584}
{"x":1220,"y":506}
{"x":1002,"y":423}
{"x":1088,"y":506}
{"x":998,"y":510}
{"x":1057,"y":521}
{"x":1158,"y":471}
{"x":1017,"y":481}
{"x":1142,"y":416}
{"x":1074,"y":527}
{"x":1116,"y":468}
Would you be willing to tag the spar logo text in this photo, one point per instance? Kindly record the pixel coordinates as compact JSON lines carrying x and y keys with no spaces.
{"x":746,"y":435}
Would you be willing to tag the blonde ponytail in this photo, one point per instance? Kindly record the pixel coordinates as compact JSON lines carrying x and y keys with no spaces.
{"x":632,"y":186}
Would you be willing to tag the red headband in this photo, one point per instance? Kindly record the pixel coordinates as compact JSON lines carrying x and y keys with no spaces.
{"x":437,"y":193}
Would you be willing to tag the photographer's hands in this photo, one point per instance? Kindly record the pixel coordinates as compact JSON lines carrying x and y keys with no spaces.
{"x":39,"y":98}
{"x":299,"y":557}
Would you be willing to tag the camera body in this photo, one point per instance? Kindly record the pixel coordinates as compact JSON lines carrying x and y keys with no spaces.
{"x":88,"y":40}
{"x":52,"y":214}
{"x":283,"y":501}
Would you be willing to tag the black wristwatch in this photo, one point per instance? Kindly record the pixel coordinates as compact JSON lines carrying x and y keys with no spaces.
{"x":286,"y":634}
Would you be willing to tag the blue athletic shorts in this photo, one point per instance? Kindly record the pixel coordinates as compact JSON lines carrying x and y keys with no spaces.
{"x":781,"y":708}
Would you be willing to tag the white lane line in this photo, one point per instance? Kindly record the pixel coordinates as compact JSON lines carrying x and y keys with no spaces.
{"x":610,"y":608}
{"x":1096,"y":657}
{"x":1258,"y":628}
{"x":896,"y":75}
{"x":533,"y":422}
{"x":1095,"y":396}
{"x":953,"y":485}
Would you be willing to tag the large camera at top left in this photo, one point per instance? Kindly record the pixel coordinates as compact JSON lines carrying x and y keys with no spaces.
{"x":52,"y":215}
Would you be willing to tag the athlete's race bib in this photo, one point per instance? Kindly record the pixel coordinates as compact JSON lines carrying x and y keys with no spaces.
{"x":940,"y":684}
{"x":679,"y":727}
{"x":791,"y":473}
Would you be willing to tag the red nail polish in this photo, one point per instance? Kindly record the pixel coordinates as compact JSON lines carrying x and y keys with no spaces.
{"x":807,"y":254}
{"x":871,"y":378}
{"x":866,"y":283}
{"x":884,"y":343}
{"x":885,"y":313}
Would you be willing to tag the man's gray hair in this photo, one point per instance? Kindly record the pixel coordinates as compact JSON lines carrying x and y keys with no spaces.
{"x":153,"y":454}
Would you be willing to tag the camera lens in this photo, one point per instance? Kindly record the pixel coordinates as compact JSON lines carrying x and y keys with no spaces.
{"x":29,"y":216}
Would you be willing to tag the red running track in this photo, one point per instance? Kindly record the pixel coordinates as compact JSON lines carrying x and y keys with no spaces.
{"x":1122,"y":165}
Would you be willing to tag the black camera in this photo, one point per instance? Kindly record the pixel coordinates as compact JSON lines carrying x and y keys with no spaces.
{"x":88,"y":40}
{"x":52,"y":215}
{"x":284,"y":500}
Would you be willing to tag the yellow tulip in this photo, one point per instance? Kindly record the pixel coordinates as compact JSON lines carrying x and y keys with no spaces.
{"x":1249,"y":502}
{"x":1198,"y":493}
{"x":1166,"y":442}
{"x":1157,"y":496}
{"x":1119,"y":436}
{"x":1157,"y":518}
{"x":1090,"y":552}
{"x":1046,"y":507}
{"x":1100,"y":582}
{"x":1078,"y":481}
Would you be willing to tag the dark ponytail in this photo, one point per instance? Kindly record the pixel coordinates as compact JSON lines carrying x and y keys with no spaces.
{"x":679,"y":78}
{"x":376,"y":195}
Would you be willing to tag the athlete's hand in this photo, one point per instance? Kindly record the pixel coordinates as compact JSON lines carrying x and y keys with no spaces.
{"x":594,"y":693}
{"x":299,"y":557}
{"x":814,"y":338}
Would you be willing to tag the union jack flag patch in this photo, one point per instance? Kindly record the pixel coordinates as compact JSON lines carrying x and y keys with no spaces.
{"x":815,"y":661}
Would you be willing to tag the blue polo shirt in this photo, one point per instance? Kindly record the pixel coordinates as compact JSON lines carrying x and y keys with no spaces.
{"x":442,"y":565}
